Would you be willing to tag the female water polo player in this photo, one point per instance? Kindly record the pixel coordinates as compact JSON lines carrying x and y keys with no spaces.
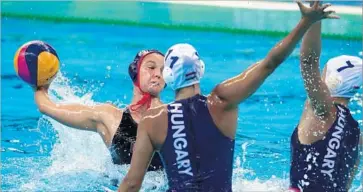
{"x":324,"y":145}
{"x":117,"y":127}
{"x":195,"y":134}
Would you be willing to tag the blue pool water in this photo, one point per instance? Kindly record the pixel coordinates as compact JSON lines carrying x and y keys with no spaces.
{"x":40,"y":154}
{"x":347,"y":3}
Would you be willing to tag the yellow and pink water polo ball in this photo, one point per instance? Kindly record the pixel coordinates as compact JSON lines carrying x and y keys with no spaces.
{"x":36,"y":63}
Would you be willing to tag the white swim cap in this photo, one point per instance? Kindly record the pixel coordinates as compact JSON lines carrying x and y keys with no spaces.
{"x":344,"y":75}
{"x":182,"y":66}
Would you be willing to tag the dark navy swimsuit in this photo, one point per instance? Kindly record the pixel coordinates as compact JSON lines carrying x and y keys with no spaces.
{"x":196,"y":155}
{"x":326,"y":165}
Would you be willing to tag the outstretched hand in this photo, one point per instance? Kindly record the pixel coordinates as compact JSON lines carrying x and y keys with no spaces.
{"x":316,"y":12}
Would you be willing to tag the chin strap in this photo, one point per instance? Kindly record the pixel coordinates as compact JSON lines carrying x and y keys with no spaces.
{"x":145,"y":100}
{"x":146,"y":97}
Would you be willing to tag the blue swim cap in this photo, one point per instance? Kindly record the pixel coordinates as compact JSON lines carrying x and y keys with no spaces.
{"x":182,"y":66}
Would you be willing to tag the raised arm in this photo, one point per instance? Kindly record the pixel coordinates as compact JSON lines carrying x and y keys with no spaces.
{"x":142,"y":154}
{"x":317,"y":90}
{"x":74,"y":115}
{"x":235,"y":90}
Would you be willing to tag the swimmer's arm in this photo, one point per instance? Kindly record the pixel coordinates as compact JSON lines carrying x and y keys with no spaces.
{"x":317,"y":90}
{"x":143,"y":152}
{"x":235,"y":90}
{"x":72,"y":115}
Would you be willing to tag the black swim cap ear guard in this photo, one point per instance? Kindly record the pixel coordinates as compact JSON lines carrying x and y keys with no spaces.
{"x":133,"y":71}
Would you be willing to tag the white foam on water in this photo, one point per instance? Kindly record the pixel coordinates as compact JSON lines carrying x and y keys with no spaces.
{"x":75,"y":149}
{"x":241,"y":184}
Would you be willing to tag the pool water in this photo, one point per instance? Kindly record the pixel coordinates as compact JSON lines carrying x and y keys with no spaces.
{"x":40,"y":154}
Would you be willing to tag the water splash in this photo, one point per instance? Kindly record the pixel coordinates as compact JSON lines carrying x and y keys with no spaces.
{"x":241,"y":184}
{"x":79,"y":160}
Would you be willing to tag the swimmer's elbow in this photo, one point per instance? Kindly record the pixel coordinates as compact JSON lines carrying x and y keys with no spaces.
{"x":131,"y":188}
{"x":134,"y":188}
{"x":271,"y":63}
{"x":130,"y":185}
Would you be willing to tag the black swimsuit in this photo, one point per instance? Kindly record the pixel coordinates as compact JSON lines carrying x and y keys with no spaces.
{"x":123,"y":142}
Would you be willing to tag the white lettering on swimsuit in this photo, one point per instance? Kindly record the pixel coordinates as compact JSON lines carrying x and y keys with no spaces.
{"x":334,"y":144}
{"x":180,"y":142}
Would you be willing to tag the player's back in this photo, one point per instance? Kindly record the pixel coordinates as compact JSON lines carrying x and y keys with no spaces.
{"x":197,"y":156}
